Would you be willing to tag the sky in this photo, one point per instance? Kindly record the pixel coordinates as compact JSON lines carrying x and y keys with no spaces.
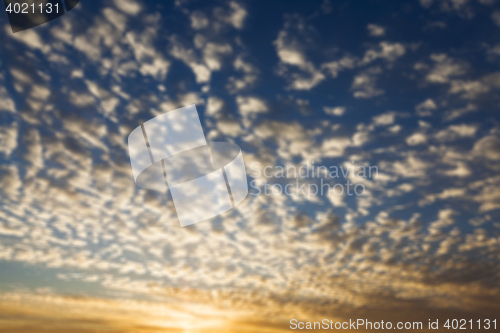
{"x":408,"y":88}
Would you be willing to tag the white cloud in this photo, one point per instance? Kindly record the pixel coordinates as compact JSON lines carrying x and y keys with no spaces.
{"x":488,"y":147}
{"x":334,"y":147}
{"x":495,"y":16}
{"x":461,"y":170}
{"x":445,"y":219}
{"x":214,"y":106}
{"x":229,"y":127}
{"x":130,"y":7}
{"x":238,"y":15}
{"x":290,"y":46}
{"x":6,"y":103}
{"x":10,"y":183}
{"x":425,"y":108}
{"x":89,"y":197}
{"x":251,"y":105}
{"x":364,"y":84}
{"x":336,"y":199}
{"x":119,"y":21}
{"x":416,"y":139}
{"x":181,"y":100}
{"x":81,"y":99}
{"x":203,"y":62}
{"x":458,"y":112}
{"x":150,"y":61}
{"x":426,"y":3}
{"x":30,"y":38}
{"x":386,"y":50}
{"x":457,"y":131}
{"x":250,"y":75}
{"x":212,"y":54}
{"x":444,"y":69}
{"x":8,"y":138}
{"x":375,"y":30}
{"x":472,"y":89}
{"x":34,"y":153}
{"x":334,"y":111}
{"x":395,"y":129}
{"x":459,"y":7}
{"x":334,"y":67}
{"x":231,"y":15}
{"x":384,"y":119}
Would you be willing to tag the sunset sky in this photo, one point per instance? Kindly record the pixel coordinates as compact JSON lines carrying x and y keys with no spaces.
{"x":409,"y":87}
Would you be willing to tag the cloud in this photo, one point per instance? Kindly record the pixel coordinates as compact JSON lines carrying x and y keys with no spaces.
{"x":472,"y":89}
{"x":445,"y":68}
{"x":364,"y":84}
{"x":426,"y":108}
{"x":209,"y":49}
{"x":129,"y":7}
{"x":460,"y":7}
{"x":334,"y":67}
{"x":495,"y":16}
{"x":459,"y":112}
{"x":291,"y":45}
{"x":106,"y":314}
{"x":386,"y":50}
{"x":34,"y":152}
{"x":409,"y":167}
{"x":150,"y":61}
{"x":334,"y":147}
{"x":8,"y":138}
{"x":10,"y":182}
{"x":457,"y":131}
{"x":6,"y":103}
{"x":297,"y":40}
{"x":217,"y":18}
{"x":384,"y":119}
{"x":426,"y":3}
{"x":229,"y":127}
{"x":198,"y":20}
{"x":251,"y":105}
{"x":238,"y":15}
{"x":212,"y":54}
{"x":461,"y":170}
{"x":445,"y":220}
{"x":30,"y":38}
{"x":292,"y":139}
{"x":249,"y":76}
{"x":488,"y":147}
{"x":456,"y":73}
{"x":375,"y":30}
{"x":214,"y":106}
{"x":69,"y":202}
{"x":181,"y":52}
{"x":335,"y":111}
{"x":178,"y":101}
